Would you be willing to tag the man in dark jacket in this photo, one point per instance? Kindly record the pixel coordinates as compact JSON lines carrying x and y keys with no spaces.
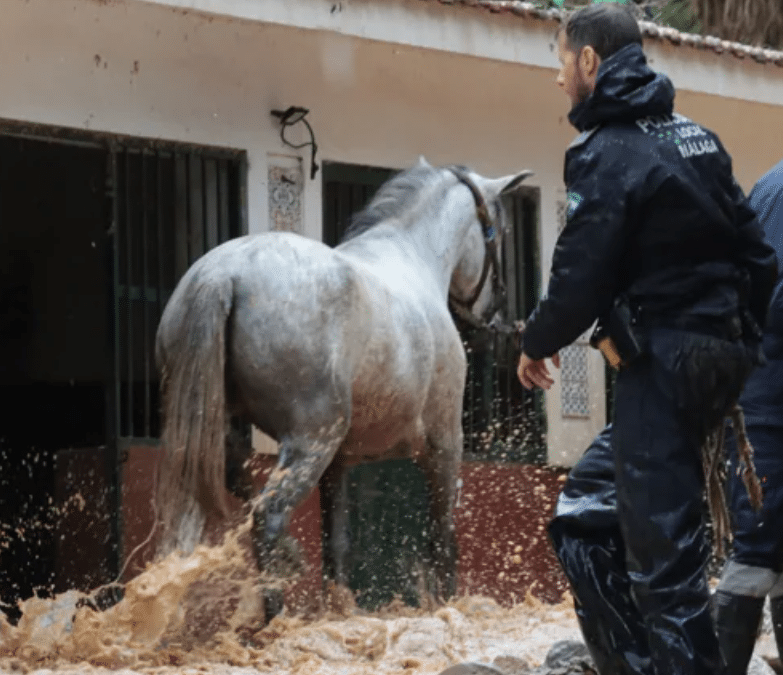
{"x":662,"y":249}
{"x":755,"y":568}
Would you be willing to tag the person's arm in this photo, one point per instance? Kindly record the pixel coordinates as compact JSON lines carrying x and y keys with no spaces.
{"x":586,"y":262}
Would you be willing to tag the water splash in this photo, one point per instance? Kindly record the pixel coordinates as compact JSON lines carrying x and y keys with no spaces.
{"x":202,"y":613}
{"x":176,"y":606}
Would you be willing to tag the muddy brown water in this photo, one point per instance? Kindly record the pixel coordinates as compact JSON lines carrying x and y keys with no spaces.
{"x":201,"y":614}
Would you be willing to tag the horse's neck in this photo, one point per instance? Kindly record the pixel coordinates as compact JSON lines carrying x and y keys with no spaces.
{"x":428,"y":248}
{"x":440,"y":240}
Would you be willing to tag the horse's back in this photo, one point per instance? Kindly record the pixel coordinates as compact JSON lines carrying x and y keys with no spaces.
{"x":276,"y":265}
{"x":290,"y":289}
{"x":275,"y":269}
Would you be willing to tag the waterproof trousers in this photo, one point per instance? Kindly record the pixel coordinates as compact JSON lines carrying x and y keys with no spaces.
{"x":586,"y":536}
{"x":628,"y":529}
{"x":758,"y":537}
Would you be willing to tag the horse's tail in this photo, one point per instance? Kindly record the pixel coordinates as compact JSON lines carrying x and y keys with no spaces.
{"x":191,"y":355}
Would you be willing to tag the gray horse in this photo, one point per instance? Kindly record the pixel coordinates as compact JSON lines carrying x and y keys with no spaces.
{"x":341,"y":355}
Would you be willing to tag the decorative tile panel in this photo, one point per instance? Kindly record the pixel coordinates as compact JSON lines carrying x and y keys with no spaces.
{"x":574,"y":389}
{"x":286,"y":185}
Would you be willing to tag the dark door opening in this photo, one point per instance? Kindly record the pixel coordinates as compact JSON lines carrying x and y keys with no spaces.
{"x":55,"y":364}
{"x":95,"y":231}
{"x":171,"y":205}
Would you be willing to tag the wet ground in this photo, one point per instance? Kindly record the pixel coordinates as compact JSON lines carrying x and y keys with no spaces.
{"x":396,"y":640}
{"x":201,"y":615}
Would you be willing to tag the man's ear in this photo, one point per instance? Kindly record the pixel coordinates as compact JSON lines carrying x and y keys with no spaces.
{"x":589,"y":61}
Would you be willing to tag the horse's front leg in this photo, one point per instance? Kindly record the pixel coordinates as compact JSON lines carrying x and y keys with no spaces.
{"x":239,"y":450}
{"x":335,"y":516}
{"x":441,"y":463}
{"x":302,"y":461}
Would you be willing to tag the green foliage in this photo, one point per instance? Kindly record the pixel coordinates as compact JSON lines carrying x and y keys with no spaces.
{"x":677,"y":14}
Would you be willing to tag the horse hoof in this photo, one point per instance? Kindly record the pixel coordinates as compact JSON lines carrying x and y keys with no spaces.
{"x":472,"y":669}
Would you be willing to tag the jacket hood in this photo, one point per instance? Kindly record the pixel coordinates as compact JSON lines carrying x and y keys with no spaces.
{"x":626,"y":89}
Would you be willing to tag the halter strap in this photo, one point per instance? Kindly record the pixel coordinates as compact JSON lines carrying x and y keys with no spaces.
{"x":463,"y":308}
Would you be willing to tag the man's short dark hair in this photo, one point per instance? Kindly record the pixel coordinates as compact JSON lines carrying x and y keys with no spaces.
{"x":606,"y":27}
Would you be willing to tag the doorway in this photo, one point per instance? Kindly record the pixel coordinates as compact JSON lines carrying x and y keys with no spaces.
{"x":95,"y":231}
{"x":54,"y":301}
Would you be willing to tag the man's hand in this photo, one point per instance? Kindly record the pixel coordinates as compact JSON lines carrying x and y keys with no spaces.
{"x":535,"y":373}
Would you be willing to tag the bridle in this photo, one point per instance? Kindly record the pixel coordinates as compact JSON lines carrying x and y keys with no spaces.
{"x":463,"y":308}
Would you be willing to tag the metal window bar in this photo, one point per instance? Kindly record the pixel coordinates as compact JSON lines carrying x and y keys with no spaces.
{"x":145,"y":285}
{"x":170,"y":207}
{"x":159,"y":219}
{"x":196,"y":209}
{"x":128,"y":304}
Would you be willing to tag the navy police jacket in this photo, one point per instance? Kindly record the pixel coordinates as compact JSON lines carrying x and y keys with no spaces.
{"x":762,"y":399}
{"x":653,"y":215}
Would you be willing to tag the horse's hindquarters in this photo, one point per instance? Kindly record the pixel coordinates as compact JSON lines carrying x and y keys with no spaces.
{"x":292,"y":336}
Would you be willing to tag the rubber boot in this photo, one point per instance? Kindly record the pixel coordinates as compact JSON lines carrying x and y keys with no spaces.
{"x":737,"y":622}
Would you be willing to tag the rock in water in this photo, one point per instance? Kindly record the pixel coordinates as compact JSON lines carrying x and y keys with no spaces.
{"x":567,"y":657}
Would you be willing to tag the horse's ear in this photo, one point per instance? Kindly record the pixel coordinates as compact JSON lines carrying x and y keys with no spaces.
{"x":498,"y":187}
{"x":515,"y":182}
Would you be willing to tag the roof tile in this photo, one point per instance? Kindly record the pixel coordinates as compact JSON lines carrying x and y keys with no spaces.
{"x":529,"y":10}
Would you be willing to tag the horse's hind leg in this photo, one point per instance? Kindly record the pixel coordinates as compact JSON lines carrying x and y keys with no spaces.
{"x":301,"y":462}
{"x":441,"y":468}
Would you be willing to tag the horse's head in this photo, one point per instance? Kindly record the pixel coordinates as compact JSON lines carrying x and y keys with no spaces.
{"x":477,"y":290}
{"x":454,"y":213}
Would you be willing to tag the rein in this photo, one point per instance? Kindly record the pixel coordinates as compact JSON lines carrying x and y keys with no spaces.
{"x":463,"y":308}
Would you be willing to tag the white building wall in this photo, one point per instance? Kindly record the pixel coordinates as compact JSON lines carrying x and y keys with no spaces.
{"x":385,"y":83}
{"x":474,"y":31}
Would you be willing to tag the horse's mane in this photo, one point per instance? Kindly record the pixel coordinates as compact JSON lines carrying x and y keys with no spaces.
{"x":392,"y":198}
